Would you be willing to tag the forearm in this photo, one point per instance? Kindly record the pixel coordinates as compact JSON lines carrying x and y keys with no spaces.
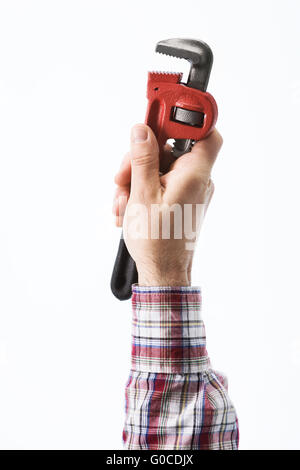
{"x":174,"y":400}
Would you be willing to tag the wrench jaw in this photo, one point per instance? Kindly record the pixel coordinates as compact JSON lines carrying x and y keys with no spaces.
{"x":198,"y":53}
{"x":200,"y":57}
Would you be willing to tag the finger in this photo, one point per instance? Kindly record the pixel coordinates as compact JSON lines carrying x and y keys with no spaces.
{"x":121,"y":194}
{"x":144,"y":160}
{"x":120,"y":208}
{"x":197,"y":165}
{"x":190,"y":174}
{"x":206,"y":150}
{"x":119,"y":221}
{"x":123,"y":176}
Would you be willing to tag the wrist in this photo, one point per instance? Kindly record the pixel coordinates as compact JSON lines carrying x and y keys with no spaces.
{"x":155,"y":278}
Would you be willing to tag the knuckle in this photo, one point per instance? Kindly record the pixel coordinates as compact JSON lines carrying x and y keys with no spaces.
{"x":145,"y":159}
{"x":219,"y":139}
{"x":199,"y":179}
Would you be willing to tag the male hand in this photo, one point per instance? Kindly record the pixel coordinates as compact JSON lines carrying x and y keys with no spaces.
{"x":147,"y":188}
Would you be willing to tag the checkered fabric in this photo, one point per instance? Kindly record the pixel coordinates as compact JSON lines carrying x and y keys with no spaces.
{"x":174,"y":400}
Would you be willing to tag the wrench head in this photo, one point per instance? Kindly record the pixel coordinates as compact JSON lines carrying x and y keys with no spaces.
{"x":198,"y":53}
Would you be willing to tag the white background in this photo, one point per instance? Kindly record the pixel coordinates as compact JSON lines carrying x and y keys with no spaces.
{"x":72,"y":82}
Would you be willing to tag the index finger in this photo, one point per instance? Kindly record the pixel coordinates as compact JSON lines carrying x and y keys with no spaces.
{"x":207,"y":149}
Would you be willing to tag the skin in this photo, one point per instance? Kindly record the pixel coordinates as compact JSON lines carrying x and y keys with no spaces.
{"x":145,"y":179}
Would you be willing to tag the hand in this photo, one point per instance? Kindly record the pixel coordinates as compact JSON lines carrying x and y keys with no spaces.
{"x":147,"y":189}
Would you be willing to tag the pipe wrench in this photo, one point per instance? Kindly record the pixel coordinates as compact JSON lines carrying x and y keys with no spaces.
{"x":181,"y":111}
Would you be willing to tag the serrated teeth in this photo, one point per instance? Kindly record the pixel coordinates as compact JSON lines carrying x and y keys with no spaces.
{"x":170,"y":77}
{"x":159,"y":72}
{"x":170,"y":55}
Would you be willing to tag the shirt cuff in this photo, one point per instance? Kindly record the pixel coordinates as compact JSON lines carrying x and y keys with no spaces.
{"x":168,"y":333}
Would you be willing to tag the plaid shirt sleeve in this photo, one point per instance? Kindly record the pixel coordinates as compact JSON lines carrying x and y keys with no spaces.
{"x":174,"y":400}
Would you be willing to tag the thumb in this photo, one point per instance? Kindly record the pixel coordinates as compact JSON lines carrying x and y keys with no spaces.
{"x":144,"y":159}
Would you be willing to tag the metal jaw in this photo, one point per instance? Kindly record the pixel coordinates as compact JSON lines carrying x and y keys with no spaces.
{"x":198,"y":53}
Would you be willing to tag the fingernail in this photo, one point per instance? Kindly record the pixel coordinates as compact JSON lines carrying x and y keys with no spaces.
{"x":139,"y":134}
